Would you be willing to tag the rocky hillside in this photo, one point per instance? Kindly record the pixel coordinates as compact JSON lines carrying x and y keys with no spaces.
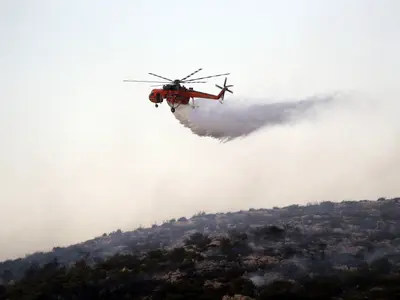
{"x":255,"y":248}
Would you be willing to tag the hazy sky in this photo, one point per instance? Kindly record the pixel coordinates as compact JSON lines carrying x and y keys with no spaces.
{"x":83,"y":153}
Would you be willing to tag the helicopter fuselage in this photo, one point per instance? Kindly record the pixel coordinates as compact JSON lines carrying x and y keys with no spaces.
{"x":172,"y":94}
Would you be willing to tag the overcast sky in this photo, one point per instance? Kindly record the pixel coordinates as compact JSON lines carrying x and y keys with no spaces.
{"x":83,"y":153}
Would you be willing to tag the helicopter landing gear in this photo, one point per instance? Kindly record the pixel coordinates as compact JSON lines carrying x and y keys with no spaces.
{"x":156,"y":105}
{"x":171,"y":103}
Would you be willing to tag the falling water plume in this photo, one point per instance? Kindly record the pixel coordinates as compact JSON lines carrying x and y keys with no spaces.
{"x":230,"y":121}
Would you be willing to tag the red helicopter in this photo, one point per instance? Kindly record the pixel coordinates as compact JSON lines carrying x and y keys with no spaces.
{"x":177,"y":94}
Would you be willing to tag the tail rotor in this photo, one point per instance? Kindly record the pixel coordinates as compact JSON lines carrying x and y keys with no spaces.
{"x":224,"y":89}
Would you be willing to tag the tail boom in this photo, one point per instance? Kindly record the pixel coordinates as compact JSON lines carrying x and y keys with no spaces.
{"x":220,"y":96}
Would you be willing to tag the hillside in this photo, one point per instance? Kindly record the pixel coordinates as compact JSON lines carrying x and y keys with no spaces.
{"x":354,"y":245}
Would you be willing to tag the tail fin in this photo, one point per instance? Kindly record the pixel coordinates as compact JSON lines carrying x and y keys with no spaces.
{"x":223,"y":89}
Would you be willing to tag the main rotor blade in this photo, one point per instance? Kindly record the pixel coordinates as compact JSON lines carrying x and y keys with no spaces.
{"x":150,"y":81}
{"x":207,"y":77}
{"x":189,"y":82}
{"x":160,"y":76}
{"x":191,"y":74}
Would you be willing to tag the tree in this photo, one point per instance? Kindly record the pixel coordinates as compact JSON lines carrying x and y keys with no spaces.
{"x":7,"y":276}
{"x":381,"y":265}
{"x":199,"y":240}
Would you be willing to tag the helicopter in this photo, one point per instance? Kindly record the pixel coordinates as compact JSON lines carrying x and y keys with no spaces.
{"x":176,"y":94}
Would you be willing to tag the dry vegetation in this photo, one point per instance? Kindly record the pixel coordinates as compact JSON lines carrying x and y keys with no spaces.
{"x":347,"y":250}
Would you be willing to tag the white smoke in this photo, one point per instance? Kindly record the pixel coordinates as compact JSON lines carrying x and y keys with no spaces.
{"x":237,"y":118}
